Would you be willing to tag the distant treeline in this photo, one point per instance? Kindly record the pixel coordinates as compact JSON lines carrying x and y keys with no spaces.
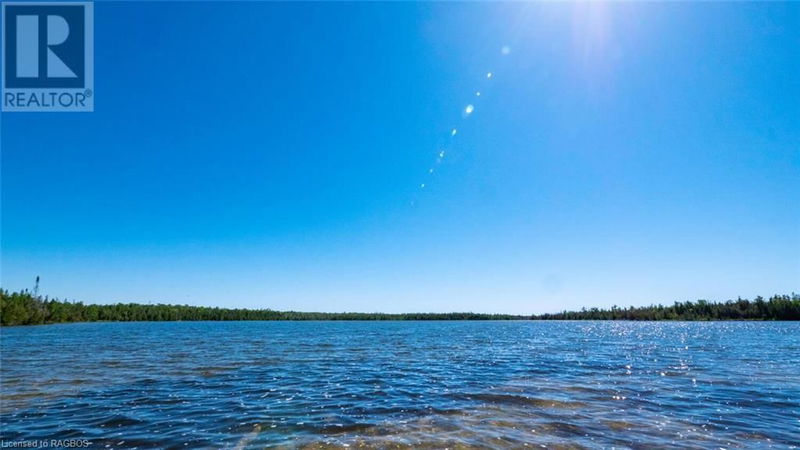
{"x":778,"y":307}
{"x":23,"y":308}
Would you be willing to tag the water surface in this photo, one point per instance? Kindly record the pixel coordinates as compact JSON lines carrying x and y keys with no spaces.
{"x":407,"y":384}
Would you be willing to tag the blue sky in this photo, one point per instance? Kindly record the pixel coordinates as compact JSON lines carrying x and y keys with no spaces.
{"x":271,"y":155}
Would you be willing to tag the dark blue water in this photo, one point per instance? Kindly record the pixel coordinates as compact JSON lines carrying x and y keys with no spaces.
{"x":408,"y":384}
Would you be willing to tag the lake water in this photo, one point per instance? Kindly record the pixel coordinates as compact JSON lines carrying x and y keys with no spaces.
{"x":412,"y":384}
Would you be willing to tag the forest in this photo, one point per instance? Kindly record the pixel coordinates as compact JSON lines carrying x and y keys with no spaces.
{"x":24,"y":308}
{"x":778,"y":307}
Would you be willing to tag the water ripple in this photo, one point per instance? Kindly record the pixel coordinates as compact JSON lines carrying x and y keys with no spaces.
{"x":403,"y":384}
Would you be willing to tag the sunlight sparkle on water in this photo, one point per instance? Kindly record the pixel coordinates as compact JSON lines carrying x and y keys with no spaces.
{"x":242,"y":395}
{"x":468,"y":110}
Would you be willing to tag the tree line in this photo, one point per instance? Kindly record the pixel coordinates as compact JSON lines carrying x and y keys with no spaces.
{"x":24,"y":308}
{"x":778,"y":307}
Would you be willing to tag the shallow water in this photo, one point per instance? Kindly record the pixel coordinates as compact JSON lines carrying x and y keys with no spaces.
{"x":407,"y":384}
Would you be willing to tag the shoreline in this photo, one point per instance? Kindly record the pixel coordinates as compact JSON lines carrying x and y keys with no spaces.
{"x":405,"y":320}
{"x":23,"y":308}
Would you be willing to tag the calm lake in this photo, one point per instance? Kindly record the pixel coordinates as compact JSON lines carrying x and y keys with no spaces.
{"x":412,"y":384}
